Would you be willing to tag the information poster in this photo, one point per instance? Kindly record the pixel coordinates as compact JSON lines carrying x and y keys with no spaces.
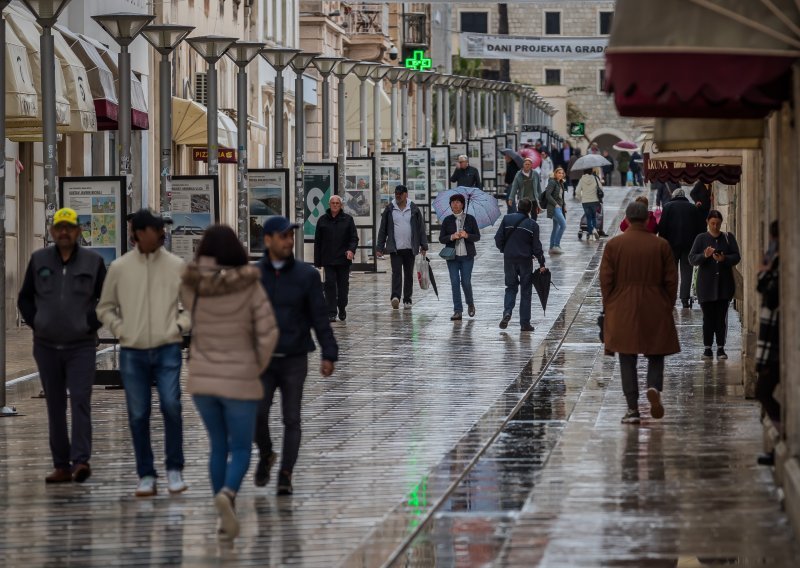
{"x":100,"y":204}
{"x":440,"y":170}
{"x":511,"y":142}
{"x":418,"y":175}
{"x":500,"y":144}
{"x":195,"y":206}
{"x":392,"y":173}
{"x":358,"y":198}
{"x":488,"y":158}
{"x":456,"y":149}
{"x":319,"y":183}
{"x":531,"y":137}
{"x":474,"y":155}
{"x":268,"y":195}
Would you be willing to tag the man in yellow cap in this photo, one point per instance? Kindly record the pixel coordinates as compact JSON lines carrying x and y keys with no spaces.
{"x":58,"y":299}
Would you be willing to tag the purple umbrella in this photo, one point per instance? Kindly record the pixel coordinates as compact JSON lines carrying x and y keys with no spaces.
{"x":480,"y":205}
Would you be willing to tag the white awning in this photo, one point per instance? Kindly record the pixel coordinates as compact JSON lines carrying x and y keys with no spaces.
{"x":21,"y":100}
{"x":101,"y":79}
{"x":139,"y":116}
{"x":189,"y":125}
{"x":353,"y":110}
{"x":79,"y":92}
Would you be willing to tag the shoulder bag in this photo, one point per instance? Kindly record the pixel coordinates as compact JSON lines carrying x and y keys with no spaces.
{"x":600,"y":193}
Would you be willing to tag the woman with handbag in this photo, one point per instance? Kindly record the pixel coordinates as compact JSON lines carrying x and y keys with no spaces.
{"x":590,"y":193}
{"x":459,"y":234}
{"x":556,"y":208}
{"x":233,"y":336}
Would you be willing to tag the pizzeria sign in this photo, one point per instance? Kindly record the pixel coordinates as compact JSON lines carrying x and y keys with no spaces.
{"x":486,"y":46}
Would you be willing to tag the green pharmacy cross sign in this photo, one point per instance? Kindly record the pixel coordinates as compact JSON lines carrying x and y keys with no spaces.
{"x":418,"y":61}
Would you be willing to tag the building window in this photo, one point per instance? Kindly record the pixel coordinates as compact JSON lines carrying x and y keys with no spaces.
{"x":552,"y":23}
{"x":601,"y":81}
{"x":552,"y":76}
{"x":475,"y":22}
{"x":605,"y":20}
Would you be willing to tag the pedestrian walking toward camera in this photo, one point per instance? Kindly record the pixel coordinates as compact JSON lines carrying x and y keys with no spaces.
{"x":335,"y":243}
{"x":680,"y":224}
{"x":460,"y":233}
{"x":715,"y":253}
{"x":511,"y":172}
{"x":701,"y":195}
{"x":141,"y":305}
{"x":526,"y":185}
{"x":518,"y":239}
{"x":295,"y":292}
{"x":574,"y":175}
{"x":465,"y":175}
{"x":546,"y":168}
{"x":556,"y":209}
{"x":402,"y":234}
{"x":639,"y":283}
{"x":590,"y":193}
{"x":58,"y":299}
{"x":233,"y":336}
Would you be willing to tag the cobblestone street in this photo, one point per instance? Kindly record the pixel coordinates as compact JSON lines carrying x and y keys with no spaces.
{"x":439,"y":444}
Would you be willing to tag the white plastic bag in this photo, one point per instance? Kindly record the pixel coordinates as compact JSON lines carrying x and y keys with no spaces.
{"x":421,"y":268}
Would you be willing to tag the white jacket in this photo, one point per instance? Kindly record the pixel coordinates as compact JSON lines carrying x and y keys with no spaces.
{"x":586,"y":192}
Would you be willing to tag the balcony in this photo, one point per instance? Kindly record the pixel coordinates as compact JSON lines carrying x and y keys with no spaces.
{"x":415,"y":29}
{"x":367,"y":18}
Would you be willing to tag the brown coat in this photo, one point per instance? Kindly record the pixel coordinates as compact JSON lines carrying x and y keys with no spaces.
{"x":234,"y":331}
{"x":639,"y":283}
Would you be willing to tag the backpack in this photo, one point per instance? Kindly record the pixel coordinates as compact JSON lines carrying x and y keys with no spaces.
{"x":543,"y":200}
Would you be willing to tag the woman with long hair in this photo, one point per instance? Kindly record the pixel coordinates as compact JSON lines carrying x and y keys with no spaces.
{"x":556,"y":208}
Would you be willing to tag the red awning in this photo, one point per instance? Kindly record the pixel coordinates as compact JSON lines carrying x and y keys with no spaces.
{"x":690,"y":172}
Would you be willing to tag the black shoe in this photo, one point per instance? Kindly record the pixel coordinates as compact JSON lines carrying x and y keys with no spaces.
{"x":263,"y":468}
{"x":707,"y":353}
{"x":766,"y":459}
{"x":505,"y":320}
{"x":686,"y":304}
{"x":721,"y":353}
{"x":81,"y":472}
{"x":285,"y":483}
{"x":406,"y":304}
{"x":456,"y":316}
{"x":471,"y":310}
{"x":526,"y":327}
{"x":342,"y":314}
{"x":331,"y":319}
{"x":631,"y":417}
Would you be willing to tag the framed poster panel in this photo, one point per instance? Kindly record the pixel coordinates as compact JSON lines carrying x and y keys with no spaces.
{"x":474,"y":155}
{"x":319,"y":183}
{"x":392,"y":171}
{"x":195,"y":206}
{"x":418,"y":175}
{"x":101,"y":205}
{"x":488,"y":159}
{"x":511,"y":141}
{"x":358,"y":197}
{"x":456,"y":149}
{"x":500,"y":168}
{"x":531,"y":137}
{"x":267,"y":196}
{"x":440,"y":176}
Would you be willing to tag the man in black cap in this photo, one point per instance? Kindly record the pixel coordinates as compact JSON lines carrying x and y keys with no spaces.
{"x":402,"y":233}
{"x":295,"y":290}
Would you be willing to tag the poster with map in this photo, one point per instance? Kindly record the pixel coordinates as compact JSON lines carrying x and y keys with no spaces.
{"x":195,"y":206}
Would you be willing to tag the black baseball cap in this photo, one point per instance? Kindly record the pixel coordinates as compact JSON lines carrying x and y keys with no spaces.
{"x":278,"y":225}
{"x":144,"y":218}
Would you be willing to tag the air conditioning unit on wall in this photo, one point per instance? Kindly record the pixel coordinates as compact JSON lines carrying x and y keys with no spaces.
{"x":201,"y":88}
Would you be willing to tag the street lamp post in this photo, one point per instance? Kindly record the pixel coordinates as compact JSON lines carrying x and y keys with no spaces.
{"x":431,"y":79}
{"x":458,"y":131}
{"x":363,"y":70}
{"x":279,"y":58}
{"x":444,"y":95}
{"x":325,"y":66}
{"x":342,"y":69}
{"x":165,"y":38}
{"x":394,"y":75}
{"x":377,"y":75}
{"x":242,"y":53}
{"x":405,"y":79}
{"x":123,"y":28}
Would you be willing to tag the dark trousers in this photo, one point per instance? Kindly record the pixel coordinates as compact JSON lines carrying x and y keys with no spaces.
{"x":289,"y":375}
{"x":337,"y":287}
{"x":768,"y":378}
{"x":59,"y":370}
{"x":518,"y":275}
{"x":402,"y":274}
{"x":715,"y":322}
{"x":681,"y":256}
{"x":630,"y":377}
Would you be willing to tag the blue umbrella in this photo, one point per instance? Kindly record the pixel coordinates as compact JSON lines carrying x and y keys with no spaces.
{"x":480,"y":205}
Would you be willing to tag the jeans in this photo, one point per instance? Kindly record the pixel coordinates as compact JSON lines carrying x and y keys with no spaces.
{"x":590,"y":210}
{"x":715,"y":322}
{"x":337,"y":287}
{"x":518,"y":274}
{"x":681,"y":256}
{"x":461,"y":273}
{"x":289,"y":375}
{"x":230,"y":424}
{"x":630,"y":379}
{"x":559,"y":226}
{"x":402,"y":274}
{"x":59,"y":370}
{"x":139,"y":368}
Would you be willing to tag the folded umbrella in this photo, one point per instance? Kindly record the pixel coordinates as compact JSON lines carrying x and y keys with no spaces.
{"x":541,"y":283}
{"x":513,"y":155}
{"x":433,"y":280}
{"x":590,"y":161}
{"x":480,"y":205}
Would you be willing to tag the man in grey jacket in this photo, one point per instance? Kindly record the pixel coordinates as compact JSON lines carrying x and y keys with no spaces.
{"x":402,"y":234}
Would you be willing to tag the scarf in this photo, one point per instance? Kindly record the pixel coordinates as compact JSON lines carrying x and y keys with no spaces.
{"x":461,"y":246}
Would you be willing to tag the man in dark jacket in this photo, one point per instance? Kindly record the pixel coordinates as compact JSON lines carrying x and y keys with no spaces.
{"x":701,"y":195}
{"x":680,"y":224}
{"x":518,"y":240}
{"x":335,"y":243}
{"x":636,"y":169}
{"x":511,"y":172}
{"x":402,"y":234}
{"x":465,"y":175}
{"x":296,"y":294}
{"x":58,"y":299}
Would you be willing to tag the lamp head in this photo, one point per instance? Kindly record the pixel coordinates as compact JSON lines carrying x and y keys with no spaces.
{"x":243,"y":52}
{"x":166,"y":37}
{"x":211,"y":47}
{"x":46,"y":12}
{"x":279,"y":57}
{"x":123,"y":27}
{"x":302,"y":60}
{"x":326,"y":65}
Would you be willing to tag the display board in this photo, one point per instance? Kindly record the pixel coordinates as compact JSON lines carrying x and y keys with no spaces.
{"x":488,"y":159}
{"x":319,"y":183}
{"x":500,"y":168}
{"x":358,"y":198}
{"x":392,"y":169}
{"x":267,"y":196}
{"x":511,"y":141}
{"x":531,"y":137}
{"x":440,"y":176}
{"x":474,"y":155}
{"x":418,"y":175}
{"x":100,"y":203}
{"x":195,"y":206}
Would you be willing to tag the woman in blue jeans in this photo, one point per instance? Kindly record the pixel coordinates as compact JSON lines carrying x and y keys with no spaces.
{"x":233,"y":336}
{"x":459,"y":234}
{"x":556,"y":209}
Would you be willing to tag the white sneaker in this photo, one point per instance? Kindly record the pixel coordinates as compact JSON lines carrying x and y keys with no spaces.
{"x":596,"y":235}
{"x":556,"y":250}
{"x":146,"y":486}
{"x":395,"y":303}
{"x":175,"y":482}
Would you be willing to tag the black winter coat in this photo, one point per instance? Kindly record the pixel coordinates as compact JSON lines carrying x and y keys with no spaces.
{"x":700,"y":193}
{"x":680,"y":223}
{"x":520,"y":244}
{"x":715,"y":279}
{"x":449,"y":226}
{"x":511,"y":172}
{"x":333,"y":238}
{"x":468,"y":177}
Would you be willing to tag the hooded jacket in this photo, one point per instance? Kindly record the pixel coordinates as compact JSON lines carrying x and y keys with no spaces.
{"x":419,"y":238}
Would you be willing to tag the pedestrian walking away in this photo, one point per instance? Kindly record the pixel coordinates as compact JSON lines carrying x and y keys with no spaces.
{"x":141,"y":304}
{"x":459,"y":234}
{"x":335,"y":243}
{"x":233,"y":336}
{"x":526,"y":185}
{"x":664,"y":192}
{"x":402,"y":234}
{"x":590,"y":193}
{"x":701,"y":195}
{"x":639,"y":283}
{"x":574,"y":174}
{"x":652,"y":221}
{"x":295,"y":291}
{"x":57,"y":300}
{"x":680,"y":224}
{"x":636,"y":169}
{"x":465,"y":175}
{"x":546,"y":168}
{"x":556,"y":209}
{"x":518,"y":239}
{"x":608,"y":169}
{"x":715,"y":253}
{"x":511,"y":172}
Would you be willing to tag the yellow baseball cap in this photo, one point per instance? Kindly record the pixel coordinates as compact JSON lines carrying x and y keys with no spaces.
{"x":66,"y":215}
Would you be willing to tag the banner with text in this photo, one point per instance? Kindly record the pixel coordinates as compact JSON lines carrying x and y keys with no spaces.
{"x":485,"y":46}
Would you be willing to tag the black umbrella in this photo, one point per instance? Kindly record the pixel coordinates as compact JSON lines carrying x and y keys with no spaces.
{"x":430,"y":275}
{"x":541,"y":282}
{"x":513,"y":155}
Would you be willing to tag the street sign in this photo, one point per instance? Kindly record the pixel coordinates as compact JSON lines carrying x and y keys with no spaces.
{"x":577,"y":128}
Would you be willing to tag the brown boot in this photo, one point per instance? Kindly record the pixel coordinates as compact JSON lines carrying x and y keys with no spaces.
{"x":59,"y":475}
{"x":81,"y":472}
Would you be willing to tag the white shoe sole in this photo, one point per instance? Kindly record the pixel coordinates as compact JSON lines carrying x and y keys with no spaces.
{"x":177,"y":490}
{"x":227,"y":517}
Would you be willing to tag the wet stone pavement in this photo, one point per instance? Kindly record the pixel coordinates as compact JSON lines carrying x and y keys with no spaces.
{"x":439,"y":444}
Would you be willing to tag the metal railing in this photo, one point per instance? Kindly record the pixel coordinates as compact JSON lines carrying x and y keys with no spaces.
{"x":367,"y":18}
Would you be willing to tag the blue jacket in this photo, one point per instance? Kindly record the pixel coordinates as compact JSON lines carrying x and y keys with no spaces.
{"x":522,"y":243}
{"x":296,"y":295}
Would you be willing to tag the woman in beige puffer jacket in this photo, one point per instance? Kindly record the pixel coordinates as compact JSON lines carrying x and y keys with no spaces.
{"x":234,"y":333}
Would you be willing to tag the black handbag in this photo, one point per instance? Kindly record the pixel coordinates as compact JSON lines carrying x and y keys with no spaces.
{"x":600,"y":193}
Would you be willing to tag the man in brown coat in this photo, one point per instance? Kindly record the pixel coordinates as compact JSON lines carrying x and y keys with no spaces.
{"x":639,"y":284}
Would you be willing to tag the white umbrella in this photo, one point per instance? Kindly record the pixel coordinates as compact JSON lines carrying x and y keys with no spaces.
{"x":590,"y":161}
